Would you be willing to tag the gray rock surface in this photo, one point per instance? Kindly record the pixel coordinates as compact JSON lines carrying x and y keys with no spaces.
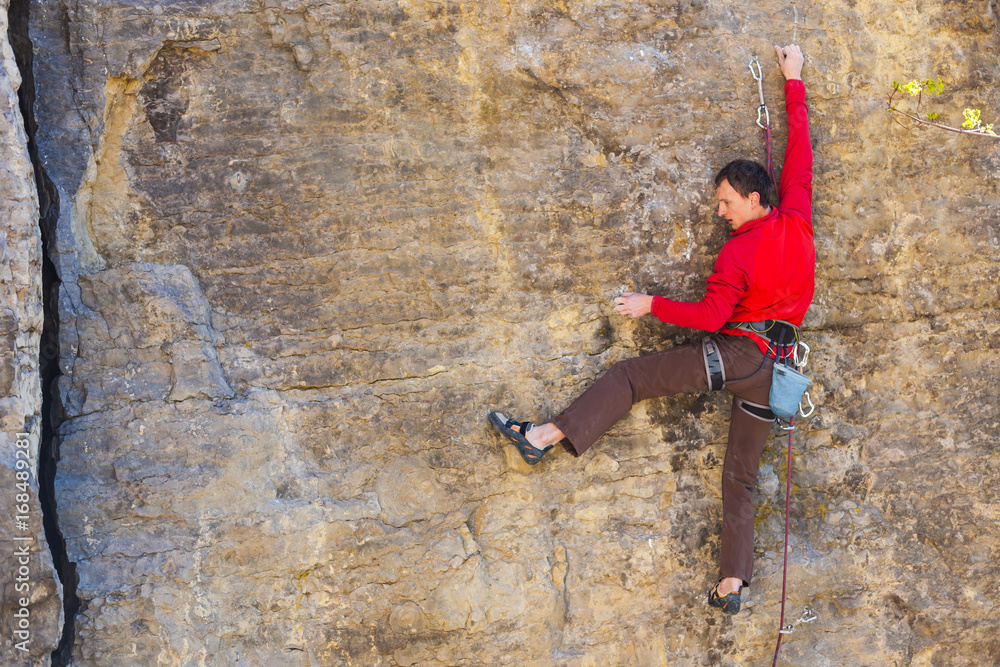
{"x":30,"y":594}
{"x":305,"y":246}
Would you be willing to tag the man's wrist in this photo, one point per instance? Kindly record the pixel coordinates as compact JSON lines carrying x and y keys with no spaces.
{"x":654,"y":304}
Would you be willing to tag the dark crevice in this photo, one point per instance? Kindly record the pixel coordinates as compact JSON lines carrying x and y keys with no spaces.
{"x":48,"y":354}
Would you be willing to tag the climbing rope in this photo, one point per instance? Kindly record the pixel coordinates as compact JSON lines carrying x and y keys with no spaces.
{"x":784,"y":567}
{"x":807,"y":615}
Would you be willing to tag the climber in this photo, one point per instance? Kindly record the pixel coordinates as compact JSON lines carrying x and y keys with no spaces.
{"x":755,"y":301}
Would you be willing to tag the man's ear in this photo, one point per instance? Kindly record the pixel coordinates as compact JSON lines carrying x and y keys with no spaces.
{"x":754,"y":199}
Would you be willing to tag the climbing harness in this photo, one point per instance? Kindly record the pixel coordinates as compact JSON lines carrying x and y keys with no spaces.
{"x":762,"y":112}
{"x":713,"y":365}
{"x":788,"y":384}
{"x":778,"y":332}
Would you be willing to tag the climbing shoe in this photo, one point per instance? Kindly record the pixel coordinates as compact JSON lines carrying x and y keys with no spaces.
{"x":515,"y":432}
{"x":729,"y":604}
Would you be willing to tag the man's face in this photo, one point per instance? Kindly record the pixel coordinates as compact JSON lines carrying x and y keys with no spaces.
{"x":734,"y":207}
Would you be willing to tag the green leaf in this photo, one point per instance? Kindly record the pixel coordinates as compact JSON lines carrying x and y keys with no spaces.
{"x":934,"y":87}
{"x":932,"y":116}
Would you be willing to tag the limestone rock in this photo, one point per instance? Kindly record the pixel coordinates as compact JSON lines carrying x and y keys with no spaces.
{"x":305,"y":246}
{"x":30,"y":595}
{"x":409,"y":490}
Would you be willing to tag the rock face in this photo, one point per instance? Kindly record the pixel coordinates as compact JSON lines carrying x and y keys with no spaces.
{"x":305,"y":246}
{"x":30,"y":596}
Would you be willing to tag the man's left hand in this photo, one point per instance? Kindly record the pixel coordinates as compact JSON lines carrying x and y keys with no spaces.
{"x":633,"y":305}
{"x":790,"y":61}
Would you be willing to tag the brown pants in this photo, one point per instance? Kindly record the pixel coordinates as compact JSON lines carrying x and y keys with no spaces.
{"x":683,"y":369}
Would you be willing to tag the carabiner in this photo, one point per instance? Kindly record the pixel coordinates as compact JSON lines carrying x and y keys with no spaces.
{"x":758,"y":76}
{"x":801,"y":363}
{"x":767,"y":117}
{"x":808,"y":400}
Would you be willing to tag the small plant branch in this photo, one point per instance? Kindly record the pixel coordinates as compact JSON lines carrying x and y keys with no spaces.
{"x":916,"y":119}
{"x":972,"y":125}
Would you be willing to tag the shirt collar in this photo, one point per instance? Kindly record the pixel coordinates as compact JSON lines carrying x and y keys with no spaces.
{"x":754,"y":224}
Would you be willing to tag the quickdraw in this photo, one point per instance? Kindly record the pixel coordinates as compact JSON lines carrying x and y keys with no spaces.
{"x":762,"y":112}
{"x":808,"y":616}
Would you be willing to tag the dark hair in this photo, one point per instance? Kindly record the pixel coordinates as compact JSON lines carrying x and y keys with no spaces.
{"x":746,"y":176}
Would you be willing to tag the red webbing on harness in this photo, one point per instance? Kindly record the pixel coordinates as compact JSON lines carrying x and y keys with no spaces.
{"x":784,"y":567}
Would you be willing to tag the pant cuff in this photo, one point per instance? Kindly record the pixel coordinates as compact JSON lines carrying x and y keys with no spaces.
{"x":561,"y":424}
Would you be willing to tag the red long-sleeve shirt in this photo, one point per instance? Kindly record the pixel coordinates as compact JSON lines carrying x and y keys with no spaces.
{"x":767,"y":270}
